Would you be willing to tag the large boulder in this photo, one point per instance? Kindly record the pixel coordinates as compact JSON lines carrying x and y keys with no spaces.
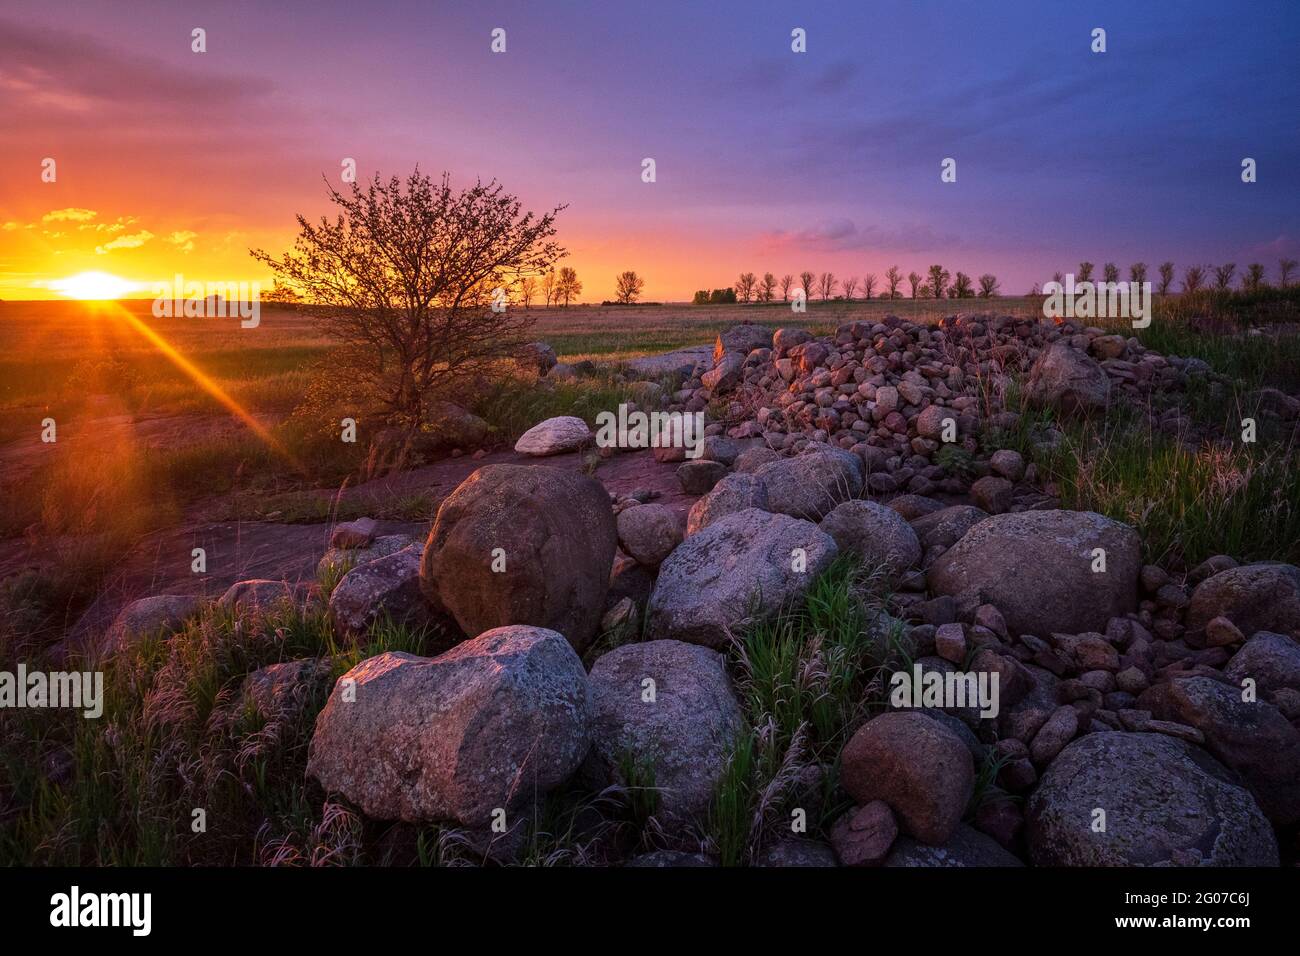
{"x":740,"y":567}
{"x":556,"y":536}
{"x":1165,"y":801}
{"x":916,"y":765}
{"x":874,"y":533}
{"x":1036,"y":567}
{"x":733,"y":493}
{"x":492,"y":724}
{"x":966,"y":847}
{"x":811,"y":484}
{"x":555,"y":436}
{"x":741,"y":339}
{"x":677,"y":731}
{"x":1271,"y":660}
{"x":339,"y":561}
{"x":386,"y":589}
{"x":945,"y":527}
{"x":146,"y":617}
{"x":680,"y":363}
{"x":1255,"y":597}
{"x":726,"y":374}
{"x":536,"y":357}
{"x":1068,"y":380}
{"x":1252,"y":738}
{"x":262,"y":596}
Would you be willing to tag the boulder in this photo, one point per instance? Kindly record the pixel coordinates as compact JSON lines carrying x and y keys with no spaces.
{"x":648,"y":532}
{"x":863,"y":835}
{"x":555,"y":436}
{"x":339,"y":561}
{"x":1271,"y":660}
{"x":966,"y":847}
{"x":1253,"y":738}
{"x":739,"y":567}
{"x":874,"y":533}
{"x":699,"y":477}
{"x":260,"y":595}
{"x":386,"y":589}
{"x":752,"y":459}
{"x":794,"y":851}
{"x":734,"y":493}
{"x":992,"y":494}
{"x":1166,"y":802}
{"x":726,"y":374}
{"x":555,"y":533}
{"x":741,"y":339}
{"x":492,"y":724}
{"x":536,"y":357}
{"x":353,"y":534}
{"x":811,"y":484}
{"x":1036,"y":568}
{"x":1254,"y":597}
{"x":281,"y":691}
{"x":678,"y":731}
{"x":1068,"y":380}
{"x":144,"y":617}
{"x":916,"y":765}
{"x":945,"y":527}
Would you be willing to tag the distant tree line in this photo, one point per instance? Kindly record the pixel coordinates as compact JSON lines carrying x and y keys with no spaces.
{"x":937,"y":283}
{"x":1195,"y":277}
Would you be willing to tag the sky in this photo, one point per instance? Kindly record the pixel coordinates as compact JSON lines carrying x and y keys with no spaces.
{"x":171,"y":161}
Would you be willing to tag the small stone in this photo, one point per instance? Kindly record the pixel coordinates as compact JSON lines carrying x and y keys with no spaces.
{"x":864,"y":835}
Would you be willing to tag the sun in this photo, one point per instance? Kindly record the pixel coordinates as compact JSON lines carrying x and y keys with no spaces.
{"x":92,"y":285}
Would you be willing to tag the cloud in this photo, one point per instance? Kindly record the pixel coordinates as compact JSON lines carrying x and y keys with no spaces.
{"x":836,"y":234}
{"x":70,"y":214}
{"x":183,"y":239}
{"x":133,"y":241}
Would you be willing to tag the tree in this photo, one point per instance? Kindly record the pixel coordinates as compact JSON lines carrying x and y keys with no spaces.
{"x":527,"y":289}
{"x":806,"y":280}
{"x":892,"y":279}
{"x":1111,"y":272}
{"x":766,"y":287}
{"x":1223,"y":276}
{"x":850,"y":285}
{"x":787,"y":283}
{"x":404,"y":276}
{"x":869,"y":285}
{"x":701,"y":297}
{"x":1085,"y":271}
{"x":745,"y":286}
{"x":549,"y":280}
{"x":1284,"y":269}
{"x":722,"y":296}
{"x":989,"y":286}
{"x":1166,"y":277}
{"x":1059,"y":279}
{"x":567,"y":286}
{"x":1253,"y":280}
{"x":938,"y":283}
{"x":826,"y":284}
{"x":1137,"y":273}
{"x":914,"y":281}
{"x":628,"y":287}
{"x":961,"y":287}
{"x":1192,"y":278}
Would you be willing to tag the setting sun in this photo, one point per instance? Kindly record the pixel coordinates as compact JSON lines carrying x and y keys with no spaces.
{"x":92,"y":285}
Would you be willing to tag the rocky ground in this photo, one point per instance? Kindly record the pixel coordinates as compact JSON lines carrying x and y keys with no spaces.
{"x":1145,"y":715}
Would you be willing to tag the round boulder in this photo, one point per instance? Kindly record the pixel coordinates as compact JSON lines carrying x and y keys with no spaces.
{"x":876,"y":534}
{"x":811,"y":484}
{"x":1068,"y":380}
{"x":735,"y":492}
{"x":1255,"y":597}
{"x":555,"y":436}
{"x":648,"y":532}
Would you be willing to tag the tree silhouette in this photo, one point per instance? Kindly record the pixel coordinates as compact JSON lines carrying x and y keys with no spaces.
{"x":938,"y":281}
{"x":567,"y":287}
{"x":1166,"y":278}
{"x":988,"y":286}
{"x":628,"y":287}
{"x":892,"y":279}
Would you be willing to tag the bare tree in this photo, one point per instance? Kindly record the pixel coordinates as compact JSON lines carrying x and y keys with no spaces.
{"x":628,"y":287}
{"x":1085,"y":271}
{"x":914,"y":280}
{"x":938,"y":283}
{"x":1059,"y":279}
{"x":806,"y":280}
{"x":1111,"y":272}
{"x":404,"y":278}
{"x":961,"y":287}
{"x":1223,"y":276}
{"x":826,"y":285}
{"x":527,"y":289}
{"x":1284,"y":269}
{"x":988,"y":286}
{"x":787,"y":283}
{"x":892,"y":280}
{"x":1166,"y":278}
{"x":1253,"y":280}
{"x":1137,"y":273}
{"x":568,"y":286}
{"x":745,"y":285}
{"x":549,"y":280}
{"x":766,"y":287}
{"x":850,"y":285}
{"x":1192,"y":278}
{"x":869,"y":285}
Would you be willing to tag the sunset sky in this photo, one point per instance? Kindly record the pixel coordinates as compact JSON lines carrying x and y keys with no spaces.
{"x":172,"y":161}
